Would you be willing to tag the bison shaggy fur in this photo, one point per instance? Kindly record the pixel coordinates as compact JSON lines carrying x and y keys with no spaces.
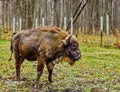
{"x":46,"y":45}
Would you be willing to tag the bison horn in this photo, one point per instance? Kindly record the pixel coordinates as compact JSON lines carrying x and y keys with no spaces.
{"x":67,"y":40}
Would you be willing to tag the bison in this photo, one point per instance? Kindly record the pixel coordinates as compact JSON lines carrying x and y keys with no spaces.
{"x":46,"y":45}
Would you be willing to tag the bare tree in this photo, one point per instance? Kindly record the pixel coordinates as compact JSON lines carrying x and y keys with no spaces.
{"x":61,"y":13}
{"x":52,"y":12}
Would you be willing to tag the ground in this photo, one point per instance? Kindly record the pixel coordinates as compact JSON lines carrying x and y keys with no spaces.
{"x":97,"y":71}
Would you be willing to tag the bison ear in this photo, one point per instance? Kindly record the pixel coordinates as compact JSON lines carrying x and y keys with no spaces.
{"x":67,"y":40}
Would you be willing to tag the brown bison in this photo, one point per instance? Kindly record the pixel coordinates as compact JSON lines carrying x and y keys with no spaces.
{"x":47,"y":45}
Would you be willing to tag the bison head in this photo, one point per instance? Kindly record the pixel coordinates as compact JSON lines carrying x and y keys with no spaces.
{"x":72,"y":50}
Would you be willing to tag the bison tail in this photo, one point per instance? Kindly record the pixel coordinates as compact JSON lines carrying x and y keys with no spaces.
{"x":11,"y":47}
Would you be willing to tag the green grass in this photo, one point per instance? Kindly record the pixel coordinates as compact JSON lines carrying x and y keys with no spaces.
{"x":97,"y":71}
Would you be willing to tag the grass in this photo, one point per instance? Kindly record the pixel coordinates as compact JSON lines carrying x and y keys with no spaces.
{"x":97,"y":71}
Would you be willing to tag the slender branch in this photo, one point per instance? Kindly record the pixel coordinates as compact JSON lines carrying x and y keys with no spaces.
{"x":77,"y":9}
{"x":75,"y":18}
{"x":68,"y":26}
{"x":80,"y":11}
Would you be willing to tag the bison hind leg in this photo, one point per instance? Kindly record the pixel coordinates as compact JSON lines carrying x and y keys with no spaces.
{"x":19,"y":60}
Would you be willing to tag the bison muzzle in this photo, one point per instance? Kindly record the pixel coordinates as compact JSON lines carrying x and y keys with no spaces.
{"x":46,"y":45}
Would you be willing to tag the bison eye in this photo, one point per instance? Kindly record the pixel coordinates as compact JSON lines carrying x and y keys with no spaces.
{"x":73,"y":46}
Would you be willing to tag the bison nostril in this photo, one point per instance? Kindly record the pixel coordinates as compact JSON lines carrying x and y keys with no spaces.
{"x":79,"y":57}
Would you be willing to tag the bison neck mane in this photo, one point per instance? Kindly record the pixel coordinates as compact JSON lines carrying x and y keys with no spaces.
{"x":61,"y":58}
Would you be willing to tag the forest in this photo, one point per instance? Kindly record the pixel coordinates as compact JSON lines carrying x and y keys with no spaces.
{"x":95,"y":24}
{"x":55,"y":12}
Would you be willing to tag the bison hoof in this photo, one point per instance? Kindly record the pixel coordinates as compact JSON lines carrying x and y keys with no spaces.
{"x":50,"y":81}
{"x":36,"y":86}
{"x":18,"y":79}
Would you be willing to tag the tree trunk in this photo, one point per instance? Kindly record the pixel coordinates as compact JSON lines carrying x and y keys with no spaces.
{"x":61,"y":13}
{"x":52,"y":13}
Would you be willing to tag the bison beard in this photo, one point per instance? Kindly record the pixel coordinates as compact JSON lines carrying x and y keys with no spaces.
{"x":48,"y":45}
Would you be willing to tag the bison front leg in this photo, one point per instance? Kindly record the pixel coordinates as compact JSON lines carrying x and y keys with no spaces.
{"x":40,"y":67}
{"x":50,"y":67}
